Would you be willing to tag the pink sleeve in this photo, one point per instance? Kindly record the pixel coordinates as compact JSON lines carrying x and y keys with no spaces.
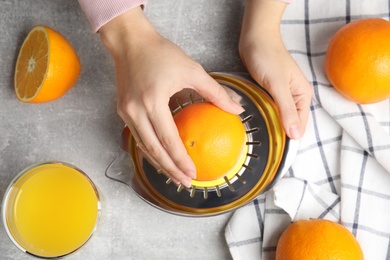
{"x":99,"y":12}
{"x":285,"y":1}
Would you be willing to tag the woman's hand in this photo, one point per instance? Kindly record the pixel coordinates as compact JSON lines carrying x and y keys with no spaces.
{"x":269,"y":63}
{"x":149,"y":70}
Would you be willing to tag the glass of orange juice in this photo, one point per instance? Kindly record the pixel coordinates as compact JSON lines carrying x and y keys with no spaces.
{"x":51,"y":209}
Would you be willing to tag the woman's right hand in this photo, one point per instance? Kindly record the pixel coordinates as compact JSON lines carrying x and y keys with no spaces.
{"x":149,"y":70}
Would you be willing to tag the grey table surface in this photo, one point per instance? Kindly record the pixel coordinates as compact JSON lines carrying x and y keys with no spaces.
{"x":83,"y":128}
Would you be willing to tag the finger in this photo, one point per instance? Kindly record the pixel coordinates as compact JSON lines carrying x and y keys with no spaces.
{"x":126,"y":118}
{"x":302,"y":102}
{"x":281,"y":93}
{"x":168,"y":135}
{"x":159,"y":169}
{"x":213,"y":92}
{"x":158,"y":153}
{"x":144,"y":153}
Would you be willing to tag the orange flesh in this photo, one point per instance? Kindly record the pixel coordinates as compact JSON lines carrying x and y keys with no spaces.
{"x":32,"y":65}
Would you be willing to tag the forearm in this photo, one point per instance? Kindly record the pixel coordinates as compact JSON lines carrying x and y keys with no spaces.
{"x":261,"y":27}
{"x":127,"y":32}
{"x":262,"y":18}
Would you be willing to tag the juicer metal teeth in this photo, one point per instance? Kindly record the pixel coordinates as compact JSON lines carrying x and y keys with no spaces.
{"x":180,"y":188}
{"x":205,"y":193}
{"x":228,"y":183}
{"x":240,"y":178}
{"x":218,"y":191}
{"x":267,"y":146}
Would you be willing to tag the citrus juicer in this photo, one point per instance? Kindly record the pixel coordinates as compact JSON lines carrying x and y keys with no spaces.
{"x":269,"y":154}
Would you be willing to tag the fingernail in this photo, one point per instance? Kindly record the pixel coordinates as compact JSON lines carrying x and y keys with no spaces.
{"x":238,"y":108}
{"x":294,"y":132}
{"x":191,"y":174}
{"x":186,"y":183}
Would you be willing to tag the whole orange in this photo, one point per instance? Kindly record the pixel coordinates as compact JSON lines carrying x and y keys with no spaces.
{"x":357,"y":61}
{"x":317,"y":239}
{"x":214,"y":139}
{"x":47,"y":66}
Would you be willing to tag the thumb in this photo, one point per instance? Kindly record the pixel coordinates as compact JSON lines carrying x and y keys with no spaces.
{"x":213,"y":92}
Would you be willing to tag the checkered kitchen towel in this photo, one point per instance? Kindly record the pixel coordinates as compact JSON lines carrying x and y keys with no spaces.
{"x":342,"y":169}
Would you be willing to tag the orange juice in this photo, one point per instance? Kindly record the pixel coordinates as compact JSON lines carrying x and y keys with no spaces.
{"x":51,"y":210}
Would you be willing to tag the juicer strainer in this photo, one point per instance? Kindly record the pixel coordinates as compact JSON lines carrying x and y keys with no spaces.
{"x":269,"y":154}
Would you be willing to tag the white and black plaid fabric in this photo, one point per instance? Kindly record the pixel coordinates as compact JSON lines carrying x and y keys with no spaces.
{"x":342,"y":169}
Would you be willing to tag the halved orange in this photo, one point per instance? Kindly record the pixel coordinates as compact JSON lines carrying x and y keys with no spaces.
{"x":47,"y":66}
